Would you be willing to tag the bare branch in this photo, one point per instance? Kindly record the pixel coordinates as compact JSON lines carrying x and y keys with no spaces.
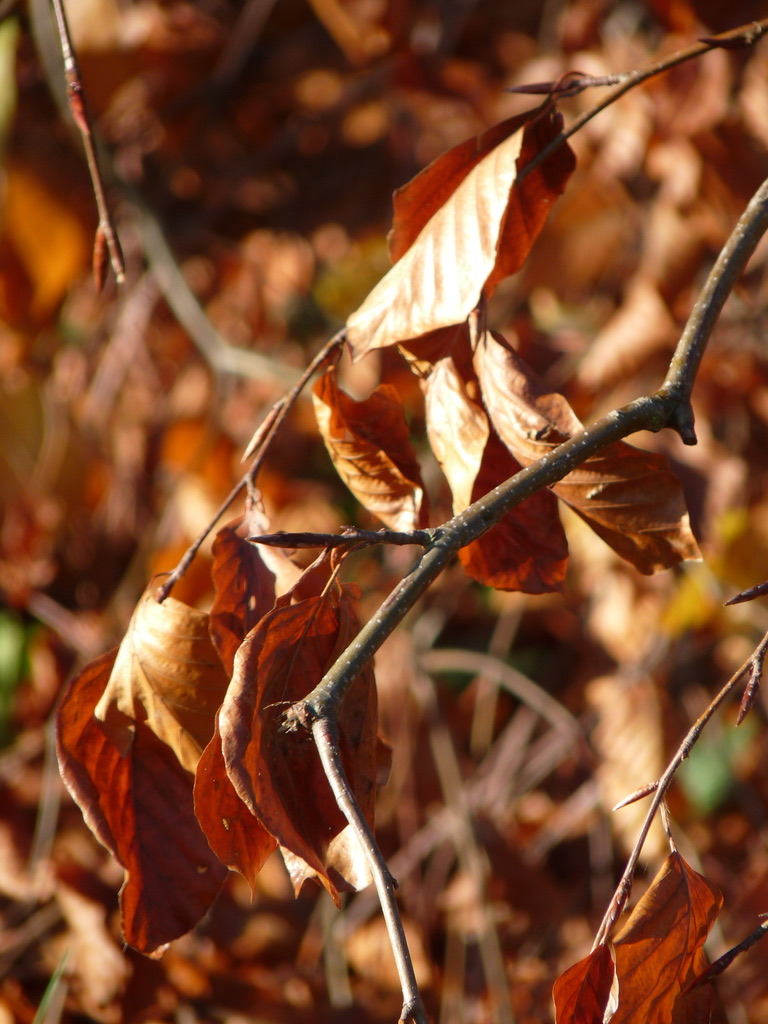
{"x":106,"y":235}
{"x":624,"y":887}
{"x":351,"y":537}
{"x":326,"y":742}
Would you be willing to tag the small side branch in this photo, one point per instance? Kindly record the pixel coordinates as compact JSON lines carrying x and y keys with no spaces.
{"x":350,"y":537}
{"x":659,"y":789}
{"x":106,"y":234}
{"x":258,"y":447}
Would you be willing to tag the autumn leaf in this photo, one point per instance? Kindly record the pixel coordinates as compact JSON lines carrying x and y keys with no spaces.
{"x":659,"y":951}
{"x":526,"y":551}
{"x":278,"y":773}
{"x":629,"y":497}
{"x":168,"y":673}
{"x":582,"y":992}
{"x":138,"y":803}
{"x":460,"y":227}
{"x":244,"y":588}
{"x":370,"y":446}
{"x":235,"y":835}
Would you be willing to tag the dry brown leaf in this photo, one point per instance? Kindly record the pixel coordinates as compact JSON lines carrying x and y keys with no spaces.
{"x":237,"y":838}
{"x":168,"y":673}
{"x":244,"y":586}
{"x":370,"y":446}
{"x":278,"y":773}
{"x":581,"y":993}
{"x":481,"y":231}
{"x":659,"y":951}
{"x":629,"y":497}
{"x":526,"y":550}
{"x":138,"y":803}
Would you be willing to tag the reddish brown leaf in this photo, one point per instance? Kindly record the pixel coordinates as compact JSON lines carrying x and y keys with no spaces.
{"x":694,"y":1005}
{"x":168,"y":673}
{"x":482,"y":230}
{"x":245,"y":588}
{"x":658,"y":952}
{"x":371,"y":450}
{"x":278,"y":774}
{"x":416,"y":202}
{"x":629,"y":497}
{"x":237,"y":838}
{"x":581,"y":994}
{"x":138,"y":803}
{"x":527,"y":550}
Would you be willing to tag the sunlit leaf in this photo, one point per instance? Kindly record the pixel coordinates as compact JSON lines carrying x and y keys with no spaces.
{"x":658,"y":952}
{"x":371,"y":450}
{"x":582,"y":992}
{"x":138,"y":803}
{"x":629,"y":497}
{"x":278,"y":773}
{"x":480,"y":228}
{"x":167,"y":672}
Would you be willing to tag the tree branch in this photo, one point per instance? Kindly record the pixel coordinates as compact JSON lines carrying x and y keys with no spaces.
{"x":669,"y":407}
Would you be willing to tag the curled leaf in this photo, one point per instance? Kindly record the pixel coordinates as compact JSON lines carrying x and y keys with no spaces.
{"x":167,"y":673}
{"x":629,"y":497}
{"x":526,"y":551}
{"x":138,"y":803}
{"x":235,"y":835}
{"x":660,"y":949}
{"x":461,"y":226}
{"x":582,"y":993}
{"x":278,"y":773}
{"x":371,"y":450}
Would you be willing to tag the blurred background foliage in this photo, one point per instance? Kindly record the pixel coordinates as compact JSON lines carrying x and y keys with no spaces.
{"x":251,"y":150}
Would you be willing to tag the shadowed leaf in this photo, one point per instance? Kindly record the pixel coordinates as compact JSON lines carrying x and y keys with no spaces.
{"x":629,"y":497}
{"x":659,"y":951}
{"x":371,"y":450}
{"x":245,"y":588}
{"x":138,"y":803}
{"x":461,"y":226}
{"x":167,"y":672}
{"x":237,"y":838}
{"x":582,"y":992}
{"x":277,"y":773}
{"x":526,"y":550}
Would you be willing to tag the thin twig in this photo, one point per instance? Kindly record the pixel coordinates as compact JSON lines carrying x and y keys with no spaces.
{"x":749,"y":34}
{"x":350,"y":537}
{"x":624,"y":887}
{"x":277,"y":417}
{"x":328,"y":748}
{"x":727,"y":959}
{"x":106,"y":234}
